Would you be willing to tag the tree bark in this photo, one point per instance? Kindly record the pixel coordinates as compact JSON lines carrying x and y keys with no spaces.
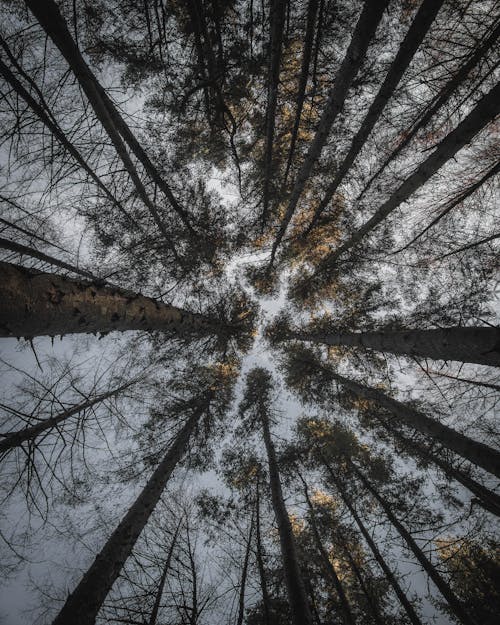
{"x":403,"y":599}
{"x":312,"y":10}
{"x":486,"y":498}
{"x":43,"y":304}
{"x":51,"y":20}
{"x":327,"y":565}
{"x":438,"y":102}
{"x":161,"y":585}
{"x":478,"y":453}
{"x":297,"y":596}
{"x":484,"y":112}
{"x":83,"y":605}
{"x":244,"y":574}
{"x":16,"y":439}
{"x":443,"y":587}
{"x":277,"y":23}
{"x":480,"y":345}
{"x":414,"y":37}
{"x":363,"y":33}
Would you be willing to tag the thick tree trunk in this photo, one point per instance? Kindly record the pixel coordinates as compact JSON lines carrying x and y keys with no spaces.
{"x":486,"y":498}
{"x":481,"y":115}
{"x":83,"y":605}
{"x":43,"y":304}
{"x":16,"y":439}
{"x":161,"y":584}
{"x":297,"y":596}
{"x":480,"y":345}
{"x":414,"y":37}
{"x":438,"y":102}
{"x":51,"y":20}
{"x":327,"y":565}
{"x":443,"y":587}
{"x":363,"y":34}
{"x":478,"y":453}
{"x":23,"y":250}
{"x":277,"y":23}
{"x":312,"y":10}
{"x":403,"y":599}
{"x":244,"y":575}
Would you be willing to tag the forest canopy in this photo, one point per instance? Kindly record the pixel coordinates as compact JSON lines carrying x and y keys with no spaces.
{"x":249,"y":338}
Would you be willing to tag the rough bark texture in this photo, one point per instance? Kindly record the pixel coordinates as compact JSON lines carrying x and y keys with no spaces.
{"x":83,"y":605}
{"x":363,"y":33}
{"x":478,"y":453}
{"x":15,"y":439}
{"x":481,"y":115}
{"x":443,"y":587}
{"x":403,"y":599}
{"x":296,"y":591}
{"x":478,"y":345}
{"x":414,"y":37}
{"x":41,"y":304}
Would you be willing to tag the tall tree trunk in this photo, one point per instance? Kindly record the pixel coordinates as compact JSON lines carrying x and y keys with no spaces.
{"x":391,"y":578}
{"x":41,"y":304}
{"x":478,"y":453}
{"x":83,"y":605}
{"x":443,"y":587}
{"x":297,"y":596}
{"x":327,"y":565}
{"x":312,"y":10}
{"x":414,"y":37}
{"x":363,"y":34}
{"x":260,"y":560}
{"x":439,"y":101}
{"x":244,"y":575}
{"x":41,"y":111}
{"x":486,"y":498}
{"x":278,"y":11}
{"x":484,"y":112}
{"x":51,"y":20}
{"x":16,"y":439}
{"x":161,"y":584}
{"x":24,"y":250}
{"x":480,"y":345}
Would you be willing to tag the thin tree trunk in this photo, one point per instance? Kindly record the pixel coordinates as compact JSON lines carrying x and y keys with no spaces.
{"x":16,"y":439}
{"x":29,"y":233}
{"x":455,"y":604}
{"x":44,"y":304}
{"x":327,"y":565}
{"x":260,"y":560}
{"x":480,"y":345}
{"x":438,"y":102}
{"x":464,"y":248}
{"x":403,"y":599}
{"x":161,"y":584}
{"x":478,"y":453}
{"x":51,"y":20}
{"x":277,"y":23}
{"x":32,"y":253}
{"x":363,"y":33}
{"x":312,"y":10}
{"x":414,"y":37}
{"x":58,"y":133}
{"x":495,"y":387}
{"x":83,"y":605}
{"x":297,"y":596}
{"x":484,"y":112}
{"x":486,"y":498}
{"x":244,"y":574}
